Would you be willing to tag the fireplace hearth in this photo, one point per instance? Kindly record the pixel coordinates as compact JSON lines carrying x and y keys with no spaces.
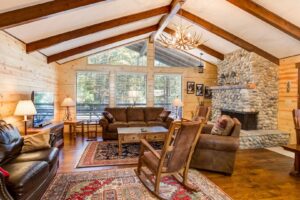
{"x":247,"y":119}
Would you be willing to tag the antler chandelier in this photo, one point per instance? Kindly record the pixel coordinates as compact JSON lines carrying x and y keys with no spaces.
{"x":181,"y":39}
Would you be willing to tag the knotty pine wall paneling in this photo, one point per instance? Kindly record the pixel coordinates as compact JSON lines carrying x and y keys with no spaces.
{"x":20,"y":74}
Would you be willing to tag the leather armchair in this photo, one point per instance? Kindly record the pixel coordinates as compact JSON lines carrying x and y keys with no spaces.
{"x":30,"y":173}
{"x":217,"y":153}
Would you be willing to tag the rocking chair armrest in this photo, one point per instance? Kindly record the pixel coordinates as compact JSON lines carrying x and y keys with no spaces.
{"x":150,"y":148}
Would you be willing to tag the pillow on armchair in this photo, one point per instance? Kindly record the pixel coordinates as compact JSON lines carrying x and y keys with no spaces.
{"x":36,"y":142}
{"x":223,"y":126}
{"x":163,"y":116}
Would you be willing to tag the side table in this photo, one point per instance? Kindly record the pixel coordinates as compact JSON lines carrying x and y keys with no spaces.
{"x":72,"y":127}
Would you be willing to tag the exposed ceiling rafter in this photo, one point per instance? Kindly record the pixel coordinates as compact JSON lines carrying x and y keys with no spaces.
{"x":165,"y":20}
{"x":268,"y":17}
{"x":53,"y":40}
{"x":228,"y":36}
{"x":202,"y":47}
{"x":39,"y":11}
{"x":101,"y":43}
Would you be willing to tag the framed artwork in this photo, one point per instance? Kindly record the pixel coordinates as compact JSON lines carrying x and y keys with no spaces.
{"x":207,"y":93}
{"x":190,"y":87}
{"x":199,"y":89}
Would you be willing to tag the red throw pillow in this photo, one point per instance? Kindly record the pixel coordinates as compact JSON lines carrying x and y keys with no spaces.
{"x":4,"y":173}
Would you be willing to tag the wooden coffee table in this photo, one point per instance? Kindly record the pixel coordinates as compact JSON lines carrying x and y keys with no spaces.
{"x":135,"y":134}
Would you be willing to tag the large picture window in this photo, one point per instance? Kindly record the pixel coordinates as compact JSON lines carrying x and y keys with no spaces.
{"x":133,"y":55}
{"x":92,"y":94}
{"x":166,"y":89}
{"x":131,"y":89}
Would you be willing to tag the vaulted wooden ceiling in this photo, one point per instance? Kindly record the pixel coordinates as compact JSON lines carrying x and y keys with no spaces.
{"x":70,"y":29}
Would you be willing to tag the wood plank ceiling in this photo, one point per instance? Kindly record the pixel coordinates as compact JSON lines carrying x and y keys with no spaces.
{"x":70,"y":29}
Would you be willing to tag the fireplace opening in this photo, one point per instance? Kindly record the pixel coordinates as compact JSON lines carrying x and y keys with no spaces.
{"x":248,"y":119}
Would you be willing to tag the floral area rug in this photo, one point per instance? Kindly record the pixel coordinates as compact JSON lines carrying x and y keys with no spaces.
{"x":123,"y":184}
{"x":106,"y":153}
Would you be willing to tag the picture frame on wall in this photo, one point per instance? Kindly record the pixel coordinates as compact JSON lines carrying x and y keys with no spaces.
{"x":207,"y":93}
{"x":190,"y":87}
{"x":199,"y":89}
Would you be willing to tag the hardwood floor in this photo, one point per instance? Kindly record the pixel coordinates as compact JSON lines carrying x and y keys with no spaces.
{"x":259,"y":174}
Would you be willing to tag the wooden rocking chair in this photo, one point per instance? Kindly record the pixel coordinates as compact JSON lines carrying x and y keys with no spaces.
{"x":174,"y":159}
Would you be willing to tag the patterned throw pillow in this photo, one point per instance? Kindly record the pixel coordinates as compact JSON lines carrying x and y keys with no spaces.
{"x":110,"y":118}
{"x":219,"y":127}
{"x":163,"y":116}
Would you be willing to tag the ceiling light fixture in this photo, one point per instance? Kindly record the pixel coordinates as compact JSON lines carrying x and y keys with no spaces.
{"x":182,"y":38}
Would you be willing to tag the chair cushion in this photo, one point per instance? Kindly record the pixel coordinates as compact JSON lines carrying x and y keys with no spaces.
{"x":152,"y":113}
{"x":157,"y":123}
{"x":114,"y":126}
{"x":48,"y":155}
{"x":25,"y":177}
{"x":11,"y":142}
{"x":137,"y":124}
{"x":119,"y":114}
{"x":135,"y":114}
{"x":150,"y":160}
{"x":37,"y":141}
{"x":110,"y":118}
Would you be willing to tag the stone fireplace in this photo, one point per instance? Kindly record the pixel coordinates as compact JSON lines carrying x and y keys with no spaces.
{"x":247,"y":83}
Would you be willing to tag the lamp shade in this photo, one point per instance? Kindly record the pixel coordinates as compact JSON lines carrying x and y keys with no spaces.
{"x":177,"y":102}
{"x":24,"y":108}
{"x":133,"y":94}
{"x":68,"y":102}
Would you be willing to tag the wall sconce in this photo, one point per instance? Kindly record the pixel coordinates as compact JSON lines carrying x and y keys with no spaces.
{"x":288,"y":86}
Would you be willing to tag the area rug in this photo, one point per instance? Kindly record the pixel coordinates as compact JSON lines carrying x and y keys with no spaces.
{"x":123,"y":184}
{"x":106,"y":153}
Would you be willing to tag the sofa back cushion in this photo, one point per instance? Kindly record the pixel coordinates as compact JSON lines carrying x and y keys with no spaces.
{"x":11,"y":143}
{"x":152,"y":113}
{"x":135,"y":114}
{"x":120,"y":114}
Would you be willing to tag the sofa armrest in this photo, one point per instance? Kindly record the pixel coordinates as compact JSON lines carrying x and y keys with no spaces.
{"x":207,"y":129}
{"x":219,"y":143}
{"x":4,"y":194}
{"x":169,"y":120}
{"x":104,"y":123}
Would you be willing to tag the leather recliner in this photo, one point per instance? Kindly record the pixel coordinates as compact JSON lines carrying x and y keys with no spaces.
{"x":217,"y":153}
{"x":30,"y":173}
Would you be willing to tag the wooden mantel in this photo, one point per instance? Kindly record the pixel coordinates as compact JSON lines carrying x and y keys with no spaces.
{"x":234,"y":87}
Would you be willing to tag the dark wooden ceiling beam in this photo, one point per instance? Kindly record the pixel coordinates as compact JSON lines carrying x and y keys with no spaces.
{"x":53,"y":40}
{"x":40,"y":11}
{"x":268,"y":16}
{"x":202,"y":47}
{"x":101,"y":43}
{"x":175,"y":6}
{"x":228,"y":36}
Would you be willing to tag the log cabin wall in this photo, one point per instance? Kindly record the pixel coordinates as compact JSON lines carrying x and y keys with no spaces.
{"x":287,"y":100}
{"x":20,"y":74}
{"x":67,"y":80}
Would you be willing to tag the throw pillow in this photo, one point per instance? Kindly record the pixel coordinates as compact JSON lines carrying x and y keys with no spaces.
{"x":229,"y":126}
{"x":219,"y":127}
{"x":163,"y":116}
{"x":36,"y":142}
{"x":110,"y":118}
{"x":4,"y":173}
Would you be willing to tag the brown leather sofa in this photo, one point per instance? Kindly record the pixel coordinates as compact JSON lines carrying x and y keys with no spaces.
{"x":30,"y":173}
{"x":132,"y":117}
{"x":217,"y":153}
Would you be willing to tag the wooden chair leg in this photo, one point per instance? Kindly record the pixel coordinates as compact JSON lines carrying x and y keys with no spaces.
{"x":157,"y":182}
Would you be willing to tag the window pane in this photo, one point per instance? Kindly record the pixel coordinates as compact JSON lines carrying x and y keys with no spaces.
{"x":130,"y":89}
{"x":92,"y":94}
{"x":166,"y":89}
{"x":133,"y":54}
{"x":166,"y":57}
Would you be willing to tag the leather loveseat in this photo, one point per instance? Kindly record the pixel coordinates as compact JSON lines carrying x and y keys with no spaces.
{"x":30,"y":173}
{"x":217,"y":153}
{"x":132,"y":117}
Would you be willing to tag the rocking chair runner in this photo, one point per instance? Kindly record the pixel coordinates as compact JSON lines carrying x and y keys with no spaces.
{"x":174,"y":159}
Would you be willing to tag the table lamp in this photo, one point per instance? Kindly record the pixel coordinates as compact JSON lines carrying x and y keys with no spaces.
{"x":68,"y":102}
{"x":25,"y":108}
{"x":133,"y":95}
{"x":177,"y":103}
